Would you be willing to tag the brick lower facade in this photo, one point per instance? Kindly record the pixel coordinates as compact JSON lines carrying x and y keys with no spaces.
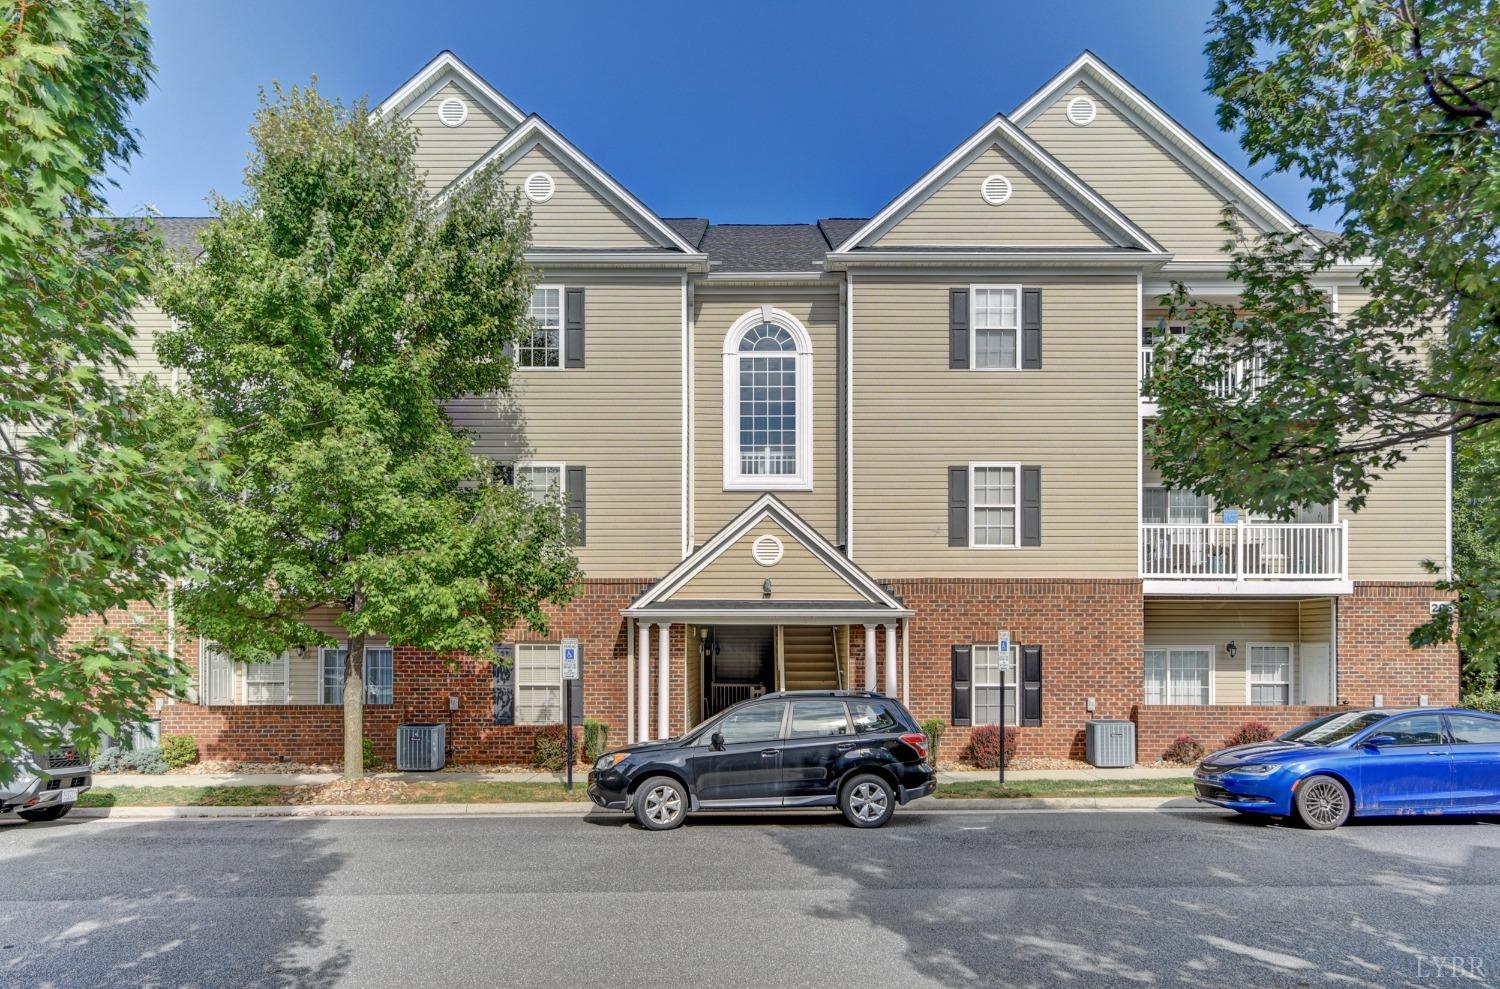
{"x":1091,"y":631}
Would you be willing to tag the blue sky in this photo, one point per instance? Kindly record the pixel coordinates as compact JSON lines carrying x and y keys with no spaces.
{"x":751,"y":112}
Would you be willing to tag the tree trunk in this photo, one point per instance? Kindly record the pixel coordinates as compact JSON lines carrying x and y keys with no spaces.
{"x":354,"y":703}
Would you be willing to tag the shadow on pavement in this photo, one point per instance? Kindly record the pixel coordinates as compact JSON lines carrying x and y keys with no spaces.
{"x":96,"y":903}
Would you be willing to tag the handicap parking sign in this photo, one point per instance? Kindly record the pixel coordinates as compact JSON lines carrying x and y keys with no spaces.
{"x":570,"y":659}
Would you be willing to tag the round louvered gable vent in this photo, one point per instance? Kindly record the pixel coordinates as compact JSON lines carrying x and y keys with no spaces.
{"x":1081,"y":111}
{"x":995,"y":189}
{"x":539,"y":187}
{"x":767,"y":550}
{"x":452,"y":112}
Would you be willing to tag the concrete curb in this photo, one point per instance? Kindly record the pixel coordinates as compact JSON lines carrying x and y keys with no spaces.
{"x":930,"y":805}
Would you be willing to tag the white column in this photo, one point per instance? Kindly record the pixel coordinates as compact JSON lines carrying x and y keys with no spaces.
{"x":663,"y":681}
{"x":643,"y":684}
{"x":869,"y":657}
{"x":890,"y":660}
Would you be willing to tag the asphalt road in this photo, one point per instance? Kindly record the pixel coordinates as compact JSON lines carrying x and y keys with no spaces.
{"x":955,"y":899}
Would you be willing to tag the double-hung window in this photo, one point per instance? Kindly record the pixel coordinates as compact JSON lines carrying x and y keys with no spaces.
{"x":987,"y":699}
{"x":539,"y":481}
{"x":997,"y":328}
{"x":1270,"y":674}
{"x":767,"y":403}
{"x":543,"y":348}
{"x":266,"y":681}
{"x":379,"y":674}
{"x":1169,"y":505}
{"x":539,"y":683}
{"x":994,"y":501}
{"x":1179,"y":675}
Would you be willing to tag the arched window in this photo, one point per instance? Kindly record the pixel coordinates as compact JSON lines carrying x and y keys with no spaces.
{"x":767,"y":403}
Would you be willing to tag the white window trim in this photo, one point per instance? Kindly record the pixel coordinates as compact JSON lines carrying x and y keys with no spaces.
{"x":973,"y":505}
{"x":974,"y":291}
{"x":1291,"y":673}
{"x":558,"y":465}
{"x":562,"y":328}
{"x":1012,"y":684}
{"x":284,"y":660}
{"x":1213,"y":669}
{"x":323,"y":652}
{"x":517,"y":687}
{"x":734,"y":480}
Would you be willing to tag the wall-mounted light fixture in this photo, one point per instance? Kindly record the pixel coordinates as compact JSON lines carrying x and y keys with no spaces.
{"x":1231,"y":649}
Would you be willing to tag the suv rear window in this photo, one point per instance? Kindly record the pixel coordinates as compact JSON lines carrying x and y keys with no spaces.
{"x":871,"y":717}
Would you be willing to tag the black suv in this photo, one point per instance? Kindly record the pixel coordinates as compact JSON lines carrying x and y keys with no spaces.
{"x":856,"y":750}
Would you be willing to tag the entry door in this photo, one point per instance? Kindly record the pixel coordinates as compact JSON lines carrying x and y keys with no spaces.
{"x":1414,"y":774}
{"x":748,"y":767}
{"x":215,"y":676}
{"x":1317,"y":673}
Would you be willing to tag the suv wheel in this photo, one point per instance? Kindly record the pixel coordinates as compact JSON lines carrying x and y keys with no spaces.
{"x":660,"y":804}
{"x":1323,"y":803}
{"x":867,"y":801}
{"x":44,"y":813}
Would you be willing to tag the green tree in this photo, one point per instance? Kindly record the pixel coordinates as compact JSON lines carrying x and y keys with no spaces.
{"x":97,"y":477}
{"x":1476,"y":556}
{"x":333,"y":311}
{"x":1388,"y":109}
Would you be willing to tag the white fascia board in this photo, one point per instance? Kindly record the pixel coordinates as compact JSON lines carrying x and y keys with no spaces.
{"x":536,"y":131}
{"x":1052,"y":172}
{"x":978,"y":258}
{"x":855,"y":613}
{"x":1245,"y":588}
{"x":1181,"y":142}
{"x":438,"y":72}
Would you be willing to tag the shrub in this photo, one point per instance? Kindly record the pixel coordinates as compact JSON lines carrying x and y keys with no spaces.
{"x":595,"y":738}
{"x":983,"y":749}
{"x":1250,"y":731}
{"x":933,"y":728}
{"x":179,"y":750}
{"x":1482,"y":700}
{"x":367,"y":755}
{"x":549,"y":748}
{"x":1185,"y":750}
{"x":147,"y":760}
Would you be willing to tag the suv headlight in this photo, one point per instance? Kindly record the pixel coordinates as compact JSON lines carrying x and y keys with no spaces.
{"x":1258,"y":769}
{"x":609,"y":761}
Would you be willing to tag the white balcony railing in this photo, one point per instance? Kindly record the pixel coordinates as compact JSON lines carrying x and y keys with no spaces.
{"x":1245,"y":551}
{"x":1246,"y":374}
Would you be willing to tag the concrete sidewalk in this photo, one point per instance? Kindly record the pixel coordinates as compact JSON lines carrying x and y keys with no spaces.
{"x":297,"y":779}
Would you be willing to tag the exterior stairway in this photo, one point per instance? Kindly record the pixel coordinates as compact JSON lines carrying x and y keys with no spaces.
{"x":808,"y":653}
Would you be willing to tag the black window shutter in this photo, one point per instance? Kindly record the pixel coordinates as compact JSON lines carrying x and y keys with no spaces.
{"x":577,"y":495}
{"x":503,"y":684}
{"x":573,"y":328}
{"x":1031,"y":328}
{"x":958,"y":328}
{"x":1031,"y":506}
{"x":958,"y":506}
{"x":504,"y":473}
{"x":1031,"y":685}
{"x":963,"y":694}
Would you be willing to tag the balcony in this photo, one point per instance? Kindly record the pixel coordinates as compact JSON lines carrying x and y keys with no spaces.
{"x":1272,"y":556}
{"x":1245,"y":374}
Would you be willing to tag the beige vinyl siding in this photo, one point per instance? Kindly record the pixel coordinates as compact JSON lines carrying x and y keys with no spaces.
{"x":619,"y":416}
{"x":1216,"y":621}
{"x":147,"y":322}
{"x":956,"y":214}
{"x":1317,"y":617}
{"x":443,"y":152}
{"x":576,"y":215}
{"x":1404,"y":520}
{"x":714,"y":313}
{"x":1136,"y":174}
{"x":692,"y":699}
{"x":735,"y":576}
{"x":1077,"y":418}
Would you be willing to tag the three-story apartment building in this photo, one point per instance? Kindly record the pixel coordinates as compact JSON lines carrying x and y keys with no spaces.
{"x":861,"y":452}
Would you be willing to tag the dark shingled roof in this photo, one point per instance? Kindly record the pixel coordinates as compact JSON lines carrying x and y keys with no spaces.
{"x":180,"y":233}
{"x":689,"y":228}
{"x":839,"y":228}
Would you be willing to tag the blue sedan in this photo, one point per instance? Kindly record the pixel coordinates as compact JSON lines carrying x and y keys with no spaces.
{"x":1368,"y":763}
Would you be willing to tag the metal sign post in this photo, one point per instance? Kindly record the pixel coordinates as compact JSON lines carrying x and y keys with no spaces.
{"x":1004,"y":640}
{"x":569,"y":674}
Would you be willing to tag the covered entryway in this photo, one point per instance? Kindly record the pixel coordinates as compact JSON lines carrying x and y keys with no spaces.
{"x":765,"y":605}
